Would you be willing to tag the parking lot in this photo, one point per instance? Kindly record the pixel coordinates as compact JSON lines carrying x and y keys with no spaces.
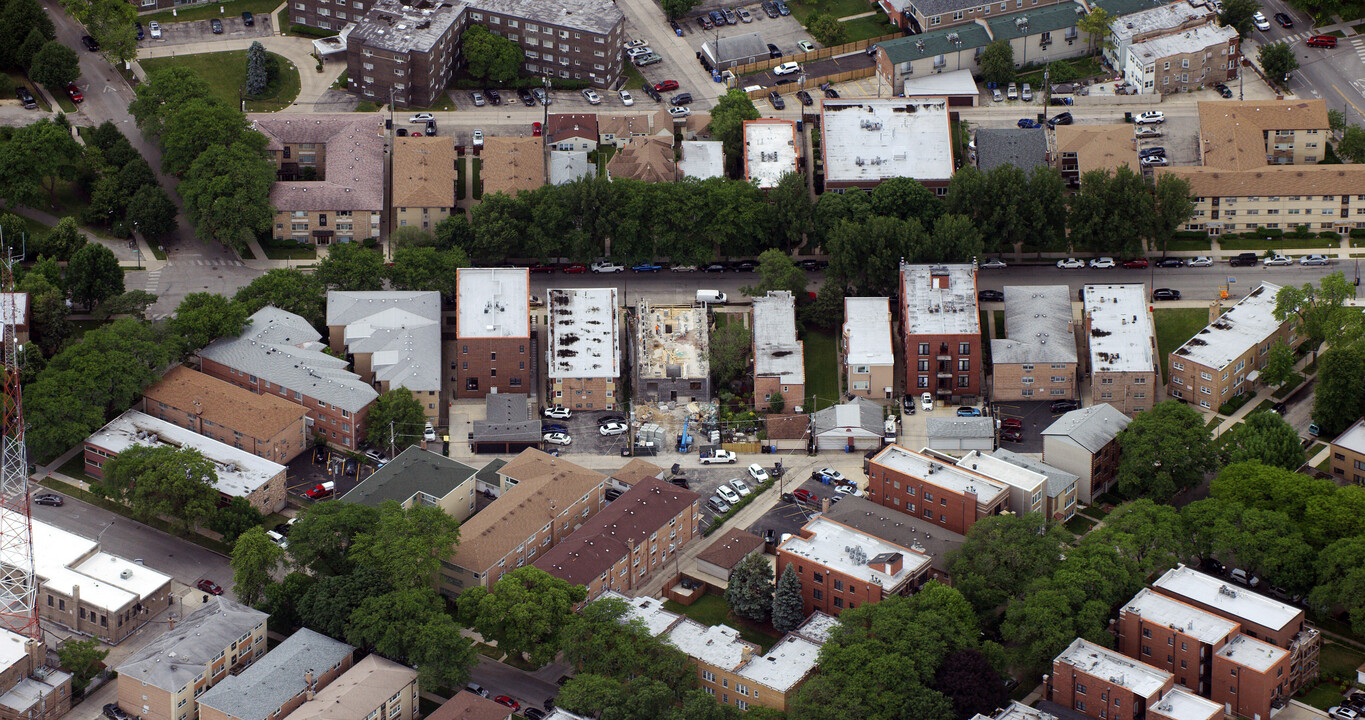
{"x":788,"y":516}
{"x":303,"y":473}
{"x":782,"y":31}
{"x":199,"y":31}
{"x":587,"y":439}
{"x":1035,"y":415}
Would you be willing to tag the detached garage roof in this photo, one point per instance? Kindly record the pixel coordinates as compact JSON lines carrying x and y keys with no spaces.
{"x":861,"y":414}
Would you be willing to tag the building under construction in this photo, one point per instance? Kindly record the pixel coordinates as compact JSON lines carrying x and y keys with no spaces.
{"x":670,"y":354}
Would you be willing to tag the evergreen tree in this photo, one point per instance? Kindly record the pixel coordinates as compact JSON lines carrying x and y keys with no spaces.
{"x":788,"y":607}
{"x":750,"y":591}
{"x":257,"y":77}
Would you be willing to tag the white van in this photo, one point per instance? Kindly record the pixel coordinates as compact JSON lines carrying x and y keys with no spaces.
{"x":710,"y":297}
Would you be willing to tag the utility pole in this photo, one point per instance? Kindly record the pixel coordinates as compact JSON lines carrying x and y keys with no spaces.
{"x":391,"y":455}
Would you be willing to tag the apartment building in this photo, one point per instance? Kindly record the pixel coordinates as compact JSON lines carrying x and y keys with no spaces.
{"x":279,"y":353}
{"x":466,"y":705}
{"x":277,"y":684}
{"x":841,"y":568}
{"x":922,"y":485}
{"x":31,"y":689}
{"x":424,"y":178}
{"x":512,"y":165}
{"x":1181,"y":704}
{"x":1189,"y":60}
{"x":900,"y":529}
{"x":326,"y":168}
{"x":671,"y":353}
{"x":1348,"y":454}
{"x":583,"y":360}
{"x":263,"y":425}
{"x":925,"y":15}
{"x":1250,"y":677}
{"x":580,"y":40}
{"x":419,"y":477}
{"x":624,"y":545}
{"x":865,"y":351}
{"x":1154,"y":22}
{"x":1224,"y":359}
{"x":1085,"y":443}
{"x":649,"y":159}
{"x":401,"y":53}
{"x":770,"y":151}
{"x":866,"y":141}
{"x":1174,"y":636}
{"x":1261,"y":618}
{"x":1120,"y":342}
{"x":1249,"y":135}
{"x":237,"y":473}
{"x":1027,"y":488}
{"x":1082,"y":148}
{"x":1061,"y":485}
{"x":162,"y":679}
{"x":493,"y":317}
{"x":394,"y":340}
{"x":374,"y":688}
{"x":1102,"y":684}
{"x":779,"y":358}
{"x":1038,"y":359}
{"x":941,"y":329}
{"x":542,"y":501}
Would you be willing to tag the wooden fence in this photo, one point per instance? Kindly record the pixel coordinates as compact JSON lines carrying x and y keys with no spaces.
{"x":817,"y":54}
{"x":815,"y":82}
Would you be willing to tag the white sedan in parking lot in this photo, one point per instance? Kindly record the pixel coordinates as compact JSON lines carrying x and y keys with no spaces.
{"x":739,"y":485}
{"x":613,"y":428}
{"x":626,"y":98}
{"x":557,"y":438}
{"x":849,"y":490}
{"x":757,"y":472}
{"x":1151,"y":117}
{"x":834,"y":475}
{"x":926,"y":402}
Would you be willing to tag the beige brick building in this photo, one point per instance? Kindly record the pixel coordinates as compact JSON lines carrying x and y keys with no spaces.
{"x":1225,"y":358}
{"x":512,"y":165}
{"x":1348,"y":454}
{"x":263,"y":425}
{"x":584,"y":358}
{"x":1190,"y":59}
{"x":866,"y":357}
{"x":1038,"y":360}
{"x":374,"y":688}
{"x":394,"y":340}
{"x":1120,"y":347}
{"x":424,"y":179}
{"x":779,"y":358}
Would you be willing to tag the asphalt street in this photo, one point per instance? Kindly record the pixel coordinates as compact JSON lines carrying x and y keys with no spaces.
{"x":1193,"y":283}
{"x":1337,"y":75}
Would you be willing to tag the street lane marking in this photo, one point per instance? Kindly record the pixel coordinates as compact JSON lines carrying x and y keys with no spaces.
{"x":1347,"y":99}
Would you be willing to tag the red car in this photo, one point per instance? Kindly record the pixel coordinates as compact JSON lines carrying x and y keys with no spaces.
{"x":209,"y":587}
{"x":1011,"y":435}
{"x":1136,"y":264}
{"x":1012,"y":423}
{"x":74,"y":92}
{"x":542,"y":268}
{"x":321,"y":490}
{"x":535,"y":129}
{"x":509,"y":702}
{"x":666,"y":86}
{"x":575,"y":269}
{"x":805,"y":496}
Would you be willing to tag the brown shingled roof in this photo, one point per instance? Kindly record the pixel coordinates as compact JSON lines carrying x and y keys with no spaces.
{"x":222,"y":403}
{"x":1233,"y":133}
{"x":625,"y":125}
{"x":788,"y":427}
{"x":648,"y":159}
{"x":424,"y":172}
{"x":637,"y":470}
{"x":733,"y":546}
{"x":1272,"y":180}
{"x":468,"y":706}
{"x":512,"y":164}
{"x":1098,"y":147}
{"x":353,"y":165}
{"x":560,"y":126}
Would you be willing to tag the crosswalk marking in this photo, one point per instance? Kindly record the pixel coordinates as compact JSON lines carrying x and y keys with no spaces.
{"x":220,"y":263}
{"x":153,"y":281}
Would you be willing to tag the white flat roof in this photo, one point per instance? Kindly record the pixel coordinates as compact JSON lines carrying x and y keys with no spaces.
{"x":1101,"y":662}
{"x":867,"y":326}
{"x":957,"y":82}
{"x":1181,"y":704}
{"x":784,"y":665}
{"x":1003,"y":471}
{"x":847,"y":550}
{"x":717,"y":645}
{"x":702,"y":159}
{"x":493,"y":302}
{"x":140,"y":581}
{"x":871,"y":139}
{"x":776,"y":349}
{"x":1163,"y":17}
{"x":948,"y":477}
{"x":1250,"y":652}
{"x":648,"y":610}
{"x":769,"y":150}
{"x":940,"y":299}
{"x":239,"y":472}
{"x":1017,"y":711}
{"x":12,"y":648}
{"x":583,"y":333}
{"x":1188,"y":619}
{"x":1235,"y":601}
{"x":1193,"y":40}
{"x":1247,"y":324}
{"x":1353,"y":438}
{"x":65,"y":560}
{"x":1120,"y":333}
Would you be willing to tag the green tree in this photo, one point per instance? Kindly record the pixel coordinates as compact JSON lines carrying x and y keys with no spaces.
{"x":1174,"y":208}
{"x":204,"y":317}
{"x":322,"y":537}
{"x":793,"y":210}
{"x":1265,"y":437}
{"x":132,"y":303}
{"x":425,"y":268}
{"x":255,"y":558}
{"x":1338,"y":398}
{"x":411,"y":236}
{"x":788,"y":606}
{"x":1150,"y":535}
{"x":166,"y":90}
{"x":329,"y":604}
{"x":407,"y":545}
{"x":18,"y":19}
{"x":1352,"y":144}
{"x":867,"y":255}
{"x":163,"y":481}
{"x":396,"y":421}
{"x":282,"y":599}
{"x":1096,"y":25}
{"x":1237,"y":14}
{"x":1320,"y":313}
{"x":48,"y":314}
{"x":826,"y":29}
{"x":490,"y":56}
{"x":23,"y":54}
{"x":997,"y":62}
{"x":412,"y":625}
{"x":750,"y":590}
{"x":93,"y":275}
{"x":64,"y":240}
{"x":1164,"y":450}
{"x":1279,"y":364}
{"x":1002,"y":555}
{"x":1336,"y":120}
{"x":524,"y":612}
{"x":602,"y":639}
{"x":953,"y":239}
{"x":974,"y":687}
{"x":351,"y":266}
{"x":235,"y":518}
{"x":1112,"y":212}
{"x":55,"y":66}
{"x":151,"y":212}
{"x":83,"y":658}
{"x":291,"y":290}
{"x":187,"y":131}
{"x":226,"y":194}
{"x":675,"y":9}
{"x":1341,"y":580}
{"x":727,"y":120}
{"x":257,"y":77}
{"x":43,"y":150}
{"x":730,"y":350}
{"x":776,"y":271}
{"x":1277,"y":60}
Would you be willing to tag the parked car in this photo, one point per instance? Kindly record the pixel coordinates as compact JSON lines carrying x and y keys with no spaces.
{"x":429,"y":433}
{"x":1342,"y":712}
{"x":775,"y":98}
{"x":493,"y":96}
{"x":1060,"y":119}
{"x":650,"y":59}
{"x":74,"y":93}
{"x":1201,"y":261}
{"x":1284,"y":20}
{"x":1065,"y":405}
{"x":592,"y":97}
{"x":1223,"y":90}
{"x":154,"y":28}
{"x":248,"y":19}
{"x":1314,"y":260}
{"x":1152,"y":151}
{"x":49,"y":499}
{"x":1169,"y":262}
{"x":1165,"y":294}
{"x":759,"y":475}
{"x":926,"y":402}
{"x":743,"y":488}
{"x":1028,"y":123}
{"x":509,"y":702}
{"x":1146,"y":132}
{"x":1278,"y":260}
{"x":542,"y":96}
{"x":1322,"y":41}
{"x":829,"y":90}
{"x":1011,"y":435}
{"x":575,"y":269}
{"x":321,"y":490}
{"x":1027,"y":93}
{"x":646,"y":267}
{"x":477,"y":689}
{"x":829,"y":475}
{"x":717,"y":506}
{"x":421,"y":118}
{"x":705,"y":22}
{"x":666,"y":85}
{"x":626,"y":98}
{"x":638,"y":42}
{"x":727,"y":494}
{"x":607,"y":266}
{"x":683,"y":268}
{"x":680,"y":99}
{"x":114,"y":712}
{"x":635,"y":52}
{"x":557,"y":412}
{"x":613,"y":428}
{"x":997,"y":96}
{"x":1258,"y":19}
{"x":216,"y":25}
{"x":990,"y":296}
{"x":557,"y":438}
{"x":782,"y":8}
{"x":1135,"y":263}
{"x":1154,"y":161}
{"x":209,"y":587}
{"x":849,"y":490}
{"x":1012,"y":424}
{"x":1012,"y":93}
{"x":804,"y":97}
{"x":90,"y":43}
{"x":1151,"y":117}
{"x":526,"y":97}
{"x":549,"y":427}
{"x":744,"y":16}
{"x":730,"y":17}
{"x":137,"y":26}
{"x":1071,"y":264}
{"x":805,"y":46}
{"x":774,"y":51}
{"x":745,"y":266}
{"x":1102,"y":263}
{"x":805,"y":496}
{"x":787,"y":68}
{"x":968,"y":411}
{"x":994,"y":264}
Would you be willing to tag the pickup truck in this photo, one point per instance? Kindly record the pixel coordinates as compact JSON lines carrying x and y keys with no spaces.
{"x":711,"y":456}
{"x":606,"y":266}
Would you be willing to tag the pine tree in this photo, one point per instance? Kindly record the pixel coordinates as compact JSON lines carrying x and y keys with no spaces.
{"x":787,"y":603}
{"x":750,"y":591}
{"x":257,"y":77}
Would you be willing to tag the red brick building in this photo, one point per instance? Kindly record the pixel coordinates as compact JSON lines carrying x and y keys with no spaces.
{"x":1174,"y":636}
{"x":942,"y":332}
{"x":841,"y":568}
{"x":1248,"y":676}
{"x":946,"y":495}
{"x":492,"y":332}
{"x":1103,"y":684}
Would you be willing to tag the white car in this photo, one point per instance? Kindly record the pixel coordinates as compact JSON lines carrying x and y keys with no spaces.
{"x":1314,"y":260}
{"x":834,"y":475}
{"x":592,"y":97}
{"x":1155,"y":161}
{"x":478,"y":138}
{"x":994,"y":264}
{"x":1343,"y":713}
{"x":1070,"y":264}
{"x":558,"y":413}
{"x":635,"y":52}
{"x":787,"y":68}
{"x":278,"y":539}
{"x":1102,"y":263}
{"x":1278,"y":260}
{"x":421,"y":118}
{"x":636,"y":43}
{"x":1201,"y":261}
{"x":1143,"y":131}
{"x":605,"y":266}
{"x":155,"y":28}
{"x":557,"y":438}
{"x":849,"y":490}
{"x":728,"y":495}
{"x":740,"y":486}
{"x":626,"y":98}
{"x":757,"y":472}
{"x":679,"y":112}
{"x":926,"y":402}
{"x":613,"y":428}
{"x":1027,"y":93}
{"x":1151,"y":117}
{"x":1259,"y":21}
{"x":429,"y":433}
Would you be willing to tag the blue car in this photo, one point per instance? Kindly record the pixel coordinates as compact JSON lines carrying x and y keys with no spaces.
{"x":968,"y":412}
{"x":1029,"y":124}
{"x":646,"y":267}
{"x":553,"y":427}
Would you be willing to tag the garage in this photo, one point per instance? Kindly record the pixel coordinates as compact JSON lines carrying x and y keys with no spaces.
{"x":960,"y":435}
{"x":851,"y":426}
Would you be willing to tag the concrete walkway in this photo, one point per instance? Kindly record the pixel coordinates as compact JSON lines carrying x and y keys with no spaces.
{"x":298,"y":50}
{"x":127,"y":254}
{"x":846,"y":18}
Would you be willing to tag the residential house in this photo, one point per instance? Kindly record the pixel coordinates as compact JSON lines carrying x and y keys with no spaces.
{"x":583,"y":360}
{"x":374,"y":688}
{"x":671,"y":353}
{"x":279,"y":683}
{"x":1061,"y":485}
{"x":721,"y":557}
{"x":841,"y":568}
{"x":394,"y":338}
{"x":919,"y":484}
{"x":1082,"y":148}
{"x":779,"y":358}
{"x":898,"y":528}
{"x":1162,"y":20}
{"x":466,"y":705}
{"x":571,"y":131}
{"x":1120,"y":341}
{"x":493,"y":316}
{"x":161,"y":680}
{"x":868,"y":140}
{"x":1038,"y":360}
{"x":941,"y":330}
{"x":702,"y":159}
{"x":633,"y":473}
{"x":770,"y":151}
{"x":1174,"y":636}
{"x":724,"y":53}
{"x":865,"y":352}
{"x":264,"y":425}
{"x":396,"y":52}
{"x":647,"y":159}
{"x":512,"y":165}
{"x":855,"y":425}
{"x":508,"y":426}
{"x":419,"y":477}
{"x":578,"y":40}
{"x":1348,"y":454}
{"x":1225,"y":359}
{"x":1085,"y":443}
{"x":424,"y":180}
{"x":621,"y":129}
{"x":30,"y":688}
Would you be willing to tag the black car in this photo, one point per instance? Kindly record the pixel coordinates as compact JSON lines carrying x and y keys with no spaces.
{"x":1065,"y":405}
{"x":90,"y":43}
{"x":25,"y":97}
{"x":714,"y":267}
{"x":248,"y":19}
{"x":1165,"y":294}
{"x":1223,"y":90}
{"x":431,"y":128}
{"x":1062,"y":119}
{"x":677,"y":29}
{"x":1279,"y":408}
{"x":114,"y":712}
{"x":612,"y":417}
{"x":804,"y":97}
{"x":811,"y":264}
{"x":1284,"y":20}
{"x":1170,"y":262}
{"x":1152,"y":152}
{"x":830,"y":92}
{"x":775,"y":98}
{"x":493,"y":96}
{"x":717,"y":18}
{"x":48,"y":499}
{"x":746,"y":266}
{"x":653,"y":93}
{"x":769,"y":9}
{"x":526,"y":97}
{"x":680,"y":482}
{"x":350,"y":467}
{"x":217,"y":26}
{"x":138,"y":26}
{"x":774,"y":51}
{"x":681,"y":99}
{"x":402,"y":132}
{"x":553,"y":427}
{"x":704,"y":22}
{"x":1212,"y":566}
{"x":533,"y":713}
{"x":990,"y":296}
{"x":908,"y":404}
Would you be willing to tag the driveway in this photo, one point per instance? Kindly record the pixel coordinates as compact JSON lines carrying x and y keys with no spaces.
{"x":819,"y":68}
{"x":531,"y":689}
{"x":200,"y":32}
{"x":587,"y":439}
{"x":1036,"y":416}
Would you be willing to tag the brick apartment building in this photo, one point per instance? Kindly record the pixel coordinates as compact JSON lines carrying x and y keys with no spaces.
{"x":373,"y":688}
{"x":841,"y":568}
{"x":1120,"y":347}
{"x":946,"y":495}
{"x":493,"y":332}
{"x":1038,"y":360}
{"x":1348,"y":454}
{"x":393,"y":338}
{"x":1143,"y":25}
{"x":584,"y":359}
{"x":1103,"y":684}
{"x":577,"y":40}
{"x":33,"y":690}
{"x":264,"y":425}
{"x":1174,"y":636}
{"x":403,"y":52}
{"x":866,"y":356}
{"x":1085,"y":443}
{"x":1224,"y":359}
{"x":280,"y":353}
{"x":941,"y":331}
{"x":423,"y":179}
{"x":779,"y":358}
{"x":1199,"y":57}
{"x":277,"y":684}
{"x":621,"y":547}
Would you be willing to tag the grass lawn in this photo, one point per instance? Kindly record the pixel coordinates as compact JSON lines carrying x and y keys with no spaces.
{"x":1078,"y":68}
{"x":634,"y":80}
{"x":367,"y":106}
{"x":1339,"y":660}
{"x":460,"y":170}
{"x":1173,"y":327}
{"x":712,"y":610}
{"x":1094,"y":512}
{"x":1079,"y":524}
{"x":1323,"y":695}
{"x":225,"y":72}
{"x":288,"y":250}
{"x":35,"y":228}
{"x":1325,"y":465}
{"x":1312,"y":451}
{"x":1215,"y":422}
{"x":837,"y":8}
{"x":822,"y":371}
{"x":1188,"y":244}
{"x":1280,"y":243}
{"x":478,"y":189}
{"x":443,"y":104}
{"x":999,"y":324}
{"x":489,"y":651}
{"x":1288,"y":387}
{"x":64,"y":102}
{"x":868,"y":27}
{"x":206,"y":11}
{"x":19,"y":79}
{"x":1338,"y":34}
{"x":1360,"y":29}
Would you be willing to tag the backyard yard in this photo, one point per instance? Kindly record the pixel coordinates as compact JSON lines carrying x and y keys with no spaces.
{"x":1173,"y":327}
{"x":225,"y":72}
{"x":822,"y":370}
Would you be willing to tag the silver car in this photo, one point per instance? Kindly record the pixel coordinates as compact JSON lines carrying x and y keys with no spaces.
{"x":1201,"y":261}
{"x":592,"y":97}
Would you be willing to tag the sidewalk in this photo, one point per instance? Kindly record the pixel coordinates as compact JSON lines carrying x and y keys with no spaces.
{"x":127,"y":256}
{"x":298,"y":50}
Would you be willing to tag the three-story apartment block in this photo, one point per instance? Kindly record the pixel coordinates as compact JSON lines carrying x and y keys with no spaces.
{"x":841,"y":568}
{"x":1348,"y":454}
{"x":922,"y":485}
{"x":266,"y":426}
{"x":493,"y":332}
{"x":941,"y":331}
{"x":1085,"y":443}
{"x":424,"y":180}
{"x":584,"y":358}
{"x":779,"y":358}
{"x":394,"y":340}
{"x":277,"y":684}
{"x":1120,"y":342}
{"x":1038,"y":359}
{"x":1225,"y":358}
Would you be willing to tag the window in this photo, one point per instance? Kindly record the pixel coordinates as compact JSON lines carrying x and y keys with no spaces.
{"x":964,"y":348}
{"x":924,"y":348}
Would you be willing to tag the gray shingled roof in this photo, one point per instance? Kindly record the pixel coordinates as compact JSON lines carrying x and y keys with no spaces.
{"x":508,"y":419}
{"x":178,"y":656}
{"x":283,"y":348}
{"x":400,"y":330}
{"x":266,"y":686}
{"x":1092,"y":427}
{"x":1057,"y":480}
{"x":938,"y":42}
{"x":1040,"y":326}
{"x":861,"y":412}
{"x":1024,"y":148}
{"x":960,"y":427}
{"x":897,"y":527}
{"x":414,"y":470}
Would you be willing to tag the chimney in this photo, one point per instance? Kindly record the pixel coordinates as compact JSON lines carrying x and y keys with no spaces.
{"x":746,"y":653}
{"x":308,"y":680}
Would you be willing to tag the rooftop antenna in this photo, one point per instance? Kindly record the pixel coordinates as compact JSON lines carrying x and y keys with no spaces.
{"x":18,"y":586}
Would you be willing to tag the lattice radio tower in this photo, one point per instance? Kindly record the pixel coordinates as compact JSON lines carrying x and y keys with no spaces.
{"x":18,"y":587}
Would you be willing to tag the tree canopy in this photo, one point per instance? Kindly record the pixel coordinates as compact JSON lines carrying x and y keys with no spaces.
{"x":525,"y":611}
{"x":162,"y":480}
{"x":1163,"y":451}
